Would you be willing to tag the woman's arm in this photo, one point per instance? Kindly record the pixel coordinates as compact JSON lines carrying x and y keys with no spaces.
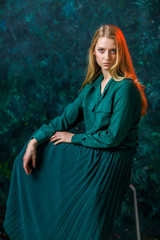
{"x":126,"y":111}
{"x":30,"y":155}
{"x":72,"y":114}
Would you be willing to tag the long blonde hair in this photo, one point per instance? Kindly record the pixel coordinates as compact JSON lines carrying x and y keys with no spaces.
{"x":123,"y":67}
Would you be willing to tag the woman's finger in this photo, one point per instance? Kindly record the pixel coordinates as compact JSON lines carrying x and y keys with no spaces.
{"x":57,"y":142}
{"x":52,"y":137}
{"x":34,"y":161}
{"x":27,"y":169}
{"x":56,"y":138}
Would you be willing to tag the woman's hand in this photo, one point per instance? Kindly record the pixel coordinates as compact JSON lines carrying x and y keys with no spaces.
{"x":30,"y":155}
{"x":60,"y":137}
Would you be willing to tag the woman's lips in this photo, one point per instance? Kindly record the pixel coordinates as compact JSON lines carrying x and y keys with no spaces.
{"x":106,"y":63}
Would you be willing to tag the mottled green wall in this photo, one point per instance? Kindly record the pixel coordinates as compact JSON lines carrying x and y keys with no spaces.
{"x":43,"y":48}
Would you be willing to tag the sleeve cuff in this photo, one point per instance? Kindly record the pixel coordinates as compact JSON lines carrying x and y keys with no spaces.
{"x":40,"y":137}
{"x":77,"y":138}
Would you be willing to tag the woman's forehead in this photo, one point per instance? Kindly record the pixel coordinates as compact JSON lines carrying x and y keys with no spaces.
{"x":106,"y":42}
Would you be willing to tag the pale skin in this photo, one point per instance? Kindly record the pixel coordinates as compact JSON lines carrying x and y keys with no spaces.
{"x":30,"y":154}
{"x":105,"y":51}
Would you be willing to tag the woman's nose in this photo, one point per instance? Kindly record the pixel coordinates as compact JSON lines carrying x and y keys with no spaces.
{"x":107,"y":56}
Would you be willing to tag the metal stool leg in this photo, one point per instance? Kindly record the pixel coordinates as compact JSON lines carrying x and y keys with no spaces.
{"x":136,"y":212}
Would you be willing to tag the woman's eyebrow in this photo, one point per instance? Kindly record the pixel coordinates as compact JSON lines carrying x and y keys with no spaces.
{"x":109,"y":48}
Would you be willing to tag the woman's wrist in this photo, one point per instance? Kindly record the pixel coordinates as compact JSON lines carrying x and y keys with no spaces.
{"x":34,"y":142}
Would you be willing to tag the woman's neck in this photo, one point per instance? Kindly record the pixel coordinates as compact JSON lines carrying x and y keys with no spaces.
{"x":106,"y":75}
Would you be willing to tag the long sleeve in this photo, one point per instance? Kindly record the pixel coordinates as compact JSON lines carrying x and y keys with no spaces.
{"x":72,"y":114}
{"x":126,"y":112}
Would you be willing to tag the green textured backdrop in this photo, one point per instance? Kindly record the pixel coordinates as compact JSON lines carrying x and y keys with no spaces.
{"x":43,"y":48}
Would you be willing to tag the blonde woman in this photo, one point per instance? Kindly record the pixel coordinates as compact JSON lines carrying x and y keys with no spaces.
{"x":68,"y":186}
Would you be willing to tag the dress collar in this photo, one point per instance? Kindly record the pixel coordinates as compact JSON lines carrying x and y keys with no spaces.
{"x":98,"y":80}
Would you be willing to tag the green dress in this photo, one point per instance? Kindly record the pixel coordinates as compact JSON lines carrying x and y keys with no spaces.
{"x":76,"y":190}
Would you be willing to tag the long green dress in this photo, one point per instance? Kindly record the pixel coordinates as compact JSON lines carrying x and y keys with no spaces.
{"x":76,"y":190}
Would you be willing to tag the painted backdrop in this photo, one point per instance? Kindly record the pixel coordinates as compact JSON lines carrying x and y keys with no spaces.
{"x":43,"y":55}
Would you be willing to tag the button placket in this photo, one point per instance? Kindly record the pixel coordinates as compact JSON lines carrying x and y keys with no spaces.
{"x":99,"y":96}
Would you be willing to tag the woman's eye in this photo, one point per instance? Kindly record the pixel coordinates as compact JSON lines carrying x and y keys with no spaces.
{"x":114,"y":50}
{"x":100,"y":50}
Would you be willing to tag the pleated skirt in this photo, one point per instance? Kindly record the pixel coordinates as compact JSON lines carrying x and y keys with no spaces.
{"x":74,"y":193}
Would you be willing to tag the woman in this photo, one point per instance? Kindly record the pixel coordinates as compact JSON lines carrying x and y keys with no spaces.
{"x":78,"y":182}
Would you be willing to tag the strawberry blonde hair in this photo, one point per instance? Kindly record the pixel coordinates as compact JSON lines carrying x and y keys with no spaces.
{"x":123,"y":67}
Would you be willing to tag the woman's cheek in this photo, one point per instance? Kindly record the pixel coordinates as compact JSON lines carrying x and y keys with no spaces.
{"x":98,"y":59}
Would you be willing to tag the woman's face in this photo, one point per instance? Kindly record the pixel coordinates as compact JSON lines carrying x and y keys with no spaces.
{"x":105,"y":52}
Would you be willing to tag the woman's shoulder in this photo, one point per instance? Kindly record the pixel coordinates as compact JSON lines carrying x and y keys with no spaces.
{"x":126,"y":83}
{"x":126,"y":87}
{"x":86,"y":87}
